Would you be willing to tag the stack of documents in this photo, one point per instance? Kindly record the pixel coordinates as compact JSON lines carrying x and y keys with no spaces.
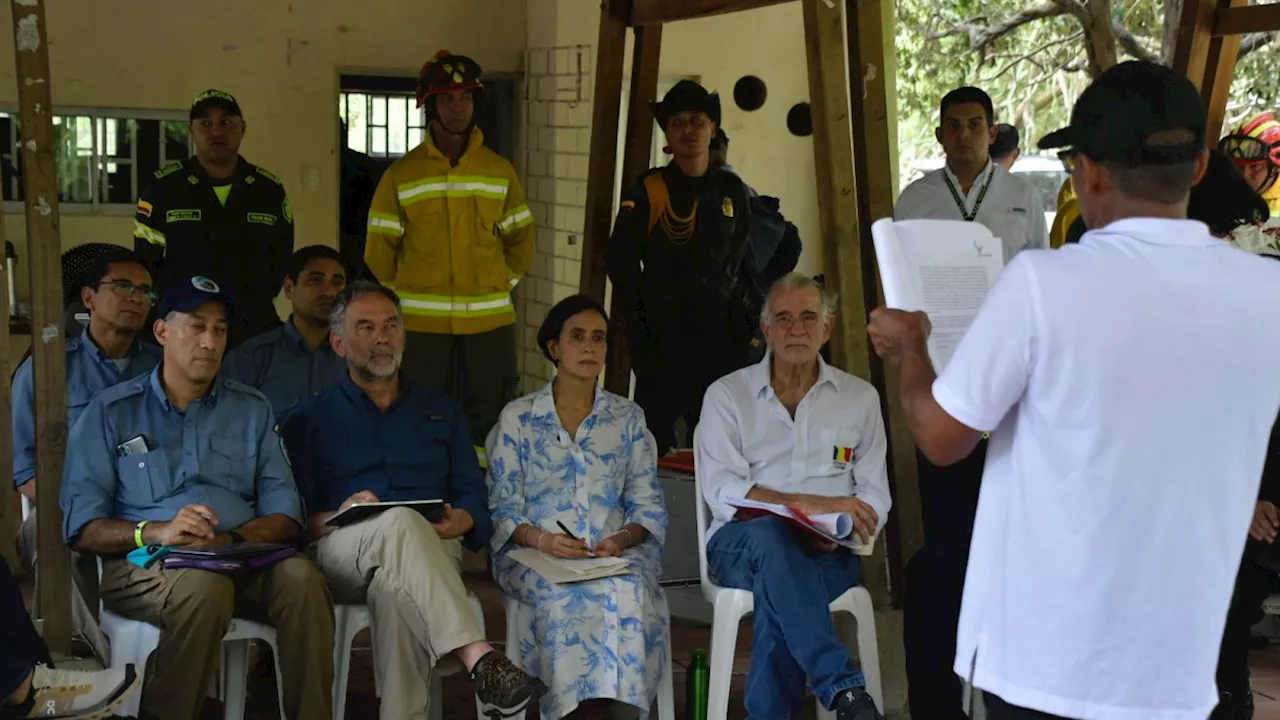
{"x":833,"y":527}
{"x":560,"y":570}
{"x":943,"y":267}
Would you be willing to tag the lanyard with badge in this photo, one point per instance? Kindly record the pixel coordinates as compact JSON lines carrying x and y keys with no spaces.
{"x":955,"y":194}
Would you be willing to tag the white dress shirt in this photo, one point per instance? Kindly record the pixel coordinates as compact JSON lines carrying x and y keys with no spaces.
{"x":1011,"y":209}
{"x":1130,"y":384}
{"x":747,"y":438}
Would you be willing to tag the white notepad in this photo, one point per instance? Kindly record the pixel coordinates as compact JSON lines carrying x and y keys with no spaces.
{"x":560,"y":570}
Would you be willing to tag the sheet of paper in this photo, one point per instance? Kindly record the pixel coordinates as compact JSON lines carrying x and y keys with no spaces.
{"x":836,"y":527}
{"x":560,"y":570}
{"x":943,"y":267}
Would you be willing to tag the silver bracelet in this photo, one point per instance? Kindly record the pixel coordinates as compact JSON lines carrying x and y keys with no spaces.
{"x":538,"y":545}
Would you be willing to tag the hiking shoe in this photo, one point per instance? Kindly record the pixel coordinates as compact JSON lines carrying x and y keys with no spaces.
{"x":856,"y":704}
{"x":78,"y":694}
{"x":502,"y":688}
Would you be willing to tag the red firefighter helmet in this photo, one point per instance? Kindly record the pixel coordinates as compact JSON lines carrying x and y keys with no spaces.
{"x":446,"y":73}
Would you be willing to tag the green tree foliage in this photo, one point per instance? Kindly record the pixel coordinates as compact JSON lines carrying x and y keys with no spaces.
{"x":1035,"y":56}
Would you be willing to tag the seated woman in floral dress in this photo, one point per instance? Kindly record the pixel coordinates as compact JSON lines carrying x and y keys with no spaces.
{"x":573,"y":455}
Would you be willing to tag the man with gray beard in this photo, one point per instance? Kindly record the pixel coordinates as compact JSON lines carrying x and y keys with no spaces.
{"x":374,"y":438}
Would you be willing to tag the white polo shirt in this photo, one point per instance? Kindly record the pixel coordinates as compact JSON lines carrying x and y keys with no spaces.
{"x":1131,"y":385}
{"x":1011,"y":208}
{"x":834,"y":446}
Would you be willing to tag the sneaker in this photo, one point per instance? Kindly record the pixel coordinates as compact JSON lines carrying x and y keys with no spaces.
{"x":78,"y":694}
{"x":502,"y":688}
{"x":856,"y":704}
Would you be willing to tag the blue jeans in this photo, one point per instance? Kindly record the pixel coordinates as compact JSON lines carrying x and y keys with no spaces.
{"x":795,"y":637}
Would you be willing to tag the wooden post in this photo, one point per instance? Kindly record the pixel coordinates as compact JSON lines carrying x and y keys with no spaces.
{"x":1207,"y":57}
{"x":1219,"y":67}
{"x":10,"y":513}
{"x":44,"y":251}
{"x":635,"y":160}
{"x":611,"y":51}
{"x":869,"y":98}
{"x":838,"y":213}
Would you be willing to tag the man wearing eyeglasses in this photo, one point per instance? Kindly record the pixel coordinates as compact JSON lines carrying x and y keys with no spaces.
{"x":219,"y":216}
{"x":792,"y":430}
{"x":119,"y":296}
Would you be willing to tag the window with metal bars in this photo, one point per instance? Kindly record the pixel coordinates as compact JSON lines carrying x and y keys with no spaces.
{"x":103,"y":158}
{"x":382,"y":125}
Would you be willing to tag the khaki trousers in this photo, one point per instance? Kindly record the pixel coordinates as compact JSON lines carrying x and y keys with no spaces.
{"x":193,"y":609}
{"x":410,"y":579}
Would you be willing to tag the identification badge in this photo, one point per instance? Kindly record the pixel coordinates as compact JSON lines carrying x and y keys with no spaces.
{"x":136,"y":446}
{"x":262,"y":218}
{"x":841,"y":457}
{"x":180,"y":215}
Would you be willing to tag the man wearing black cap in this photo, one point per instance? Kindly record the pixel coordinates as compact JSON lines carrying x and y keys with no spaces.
{"x":1005,"y":149}
{"x":184,"y":457}
{"x":683,"y":259}
{"x":219,"y":216}
{"x":1129,"y":401}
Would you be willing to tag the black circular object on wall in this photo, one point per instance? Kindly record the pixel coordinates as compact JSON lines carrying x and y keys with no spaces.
{"x":749,"y":93}
{"x":800,"y":120}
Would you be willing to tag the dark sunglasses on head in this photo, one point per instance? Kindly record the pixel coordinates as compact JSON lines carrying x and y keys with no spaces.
{"x":124,"y":288}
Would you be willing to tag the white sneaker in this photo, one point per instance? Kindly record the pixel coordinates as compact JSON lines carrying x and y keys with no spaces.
{"x":79,"y":694}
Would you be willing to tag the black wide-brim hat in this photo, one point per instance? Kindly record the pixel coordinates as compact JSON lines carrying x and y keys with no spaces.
{"x":686,"y":96}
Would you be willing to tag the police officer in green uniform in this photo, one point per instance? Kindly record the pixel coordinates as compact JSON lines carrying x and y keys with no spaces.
{"x":219,"y":216}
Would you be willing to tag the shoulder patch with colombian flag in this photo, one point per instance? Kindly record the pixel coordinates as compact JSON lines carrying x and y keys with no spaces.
{"x":144,"y":208}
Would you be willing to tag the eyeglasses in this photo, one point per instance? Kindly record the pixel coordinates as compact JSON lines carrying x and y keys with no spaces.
{"x":1248,"y":149}
{"x":126,"y":289}
{"x":1069,"y":160}
{"x":807,"y":321}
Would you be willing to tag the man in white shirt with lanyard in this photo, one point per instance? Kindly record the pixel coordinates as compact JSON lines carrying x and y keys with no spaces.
{"x":969,"y":187}
{"x":1129,"y":386}
{"x":792,"y":430}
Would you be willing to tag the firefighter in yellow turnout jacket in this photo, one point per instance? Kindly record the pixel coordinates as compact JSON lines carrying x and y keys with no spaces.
{"x":449,"y":230}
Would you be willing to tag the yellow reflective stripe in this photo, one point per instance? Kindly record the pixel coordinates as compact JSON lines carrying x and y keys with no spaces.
{"x":385,"y":224}
{"x":518,"y":217}
{"x":514,"y":280}
{"x":481,"y":457}
{"x":151,"y":235}
{"x":444,"y":306}
{"x":460,"y":186}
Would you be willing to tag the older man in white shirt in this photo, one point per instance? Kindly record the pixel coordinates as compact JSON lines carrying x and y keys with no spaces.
{"x":792,"y":430}
{"x":971,"y":187}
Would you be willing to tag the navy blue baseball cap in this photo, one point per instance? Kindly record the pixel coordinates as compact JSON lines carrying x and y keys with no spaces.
{"x":185,"y":296}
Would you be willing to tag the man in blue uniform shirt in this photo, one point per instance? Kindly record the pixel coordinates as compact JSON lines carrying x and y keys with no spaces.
{"x":119,"y":296}
{"x":375,"y":437}
{"x":181,"y":457}
{"x":291,"y":363}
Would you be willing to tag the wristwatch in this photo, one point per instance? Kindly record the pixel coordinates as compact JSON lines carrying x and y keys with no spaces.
{"x":236,"y":537}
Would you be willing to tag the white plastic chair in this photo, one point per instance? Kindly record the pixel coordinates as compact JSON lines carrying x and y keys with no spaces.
{"x":665,"y":699}
{"x":133,"y":641}
{"x":730,"y":605}
{"x":349,"y":620}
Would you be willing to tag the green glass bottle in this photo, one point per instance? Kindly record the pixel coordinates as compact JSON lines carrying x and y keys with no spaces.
{"x":696,"y":683}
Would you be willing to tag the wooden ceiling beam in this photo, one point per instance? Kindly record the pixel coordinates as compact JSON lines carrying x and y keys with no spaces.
{"x":656,"y":12}
{"x":1246,"y":19}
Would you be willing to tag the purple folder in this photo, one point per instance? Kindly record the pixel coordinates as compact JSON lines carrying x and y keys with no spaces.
{"x":229,"y":559}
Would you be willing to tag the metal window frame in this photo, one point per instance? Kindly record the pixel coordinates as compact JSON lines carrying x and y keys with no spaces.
{"x":98,"y":191}
{"x":412,"y":113}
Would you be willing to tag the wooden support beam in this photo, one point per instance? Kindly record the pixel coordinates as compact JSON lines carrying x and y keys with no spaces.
{"x":44,"y":251}
{"x":635,"y":160}
{"x":1208,"y":58}
{"x":870,"y":38}
{"x":611,"y":44}
{"x":1242,"y":18}
{"x":10,"y":513}
{"x":656,"y":12}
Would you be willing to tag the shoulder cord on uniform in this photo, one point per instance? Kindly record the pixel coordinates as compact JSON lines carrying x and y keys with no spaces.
{"x":678,"y":229}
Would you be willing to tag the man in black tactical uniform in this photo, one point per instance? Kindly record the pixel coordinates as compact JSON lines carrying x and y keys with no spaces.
{"x":692,"y":257}
{"x":219,"y":216}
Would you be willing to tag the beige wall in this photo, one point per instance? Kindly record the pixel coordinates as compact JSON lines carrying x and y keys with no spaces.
{"x":280,"y":58}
